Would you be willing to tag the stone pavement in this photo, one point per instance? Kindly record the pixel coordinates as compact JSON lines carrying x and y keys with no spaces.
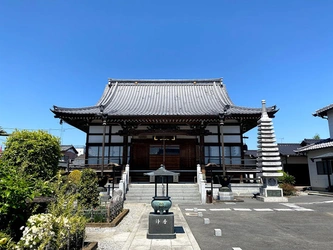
{"x":304,"y":223}
{"x":131,"y":233}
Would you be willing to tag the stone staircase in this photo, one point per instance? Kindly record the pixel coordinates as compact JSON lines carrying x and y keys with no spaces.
{"x":180,"y":193}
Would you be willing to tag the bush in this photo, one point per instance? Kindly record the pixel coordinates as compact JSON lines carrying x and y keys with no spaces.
{"x":5,"y":241}
{"x":286,"y":179}
{"x":288,"y":189}
{"x":59,"y":228}
{"x":88,"y":189}
{"x":75,"y":176}
{"x":34,"y":152}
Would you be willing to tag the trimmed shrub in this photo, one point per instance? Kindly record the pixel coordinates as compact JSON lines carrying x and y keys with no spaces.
{"x":288,"y":189}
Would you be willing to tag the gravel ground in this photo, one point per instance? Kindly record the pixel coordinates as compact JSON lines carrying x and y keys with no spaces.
{"x":115,"y":237}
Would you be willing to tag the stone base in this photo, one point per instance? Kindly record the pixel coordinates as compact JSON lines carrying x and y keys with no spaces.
{"x":245,"y":189}
{"x":226,"y":196}
{"x":272,"y":199}
{"x":161,"y":226}
{"x":271,"y":194}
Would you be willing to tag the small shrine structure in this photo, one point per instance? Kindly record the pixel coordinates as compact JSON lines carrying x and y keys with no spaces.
{"x":161,"y":221}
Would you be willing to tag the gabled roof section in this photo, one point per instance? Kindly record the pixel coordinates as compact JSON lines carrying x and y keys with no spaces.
{"x":65,"y":148}
{"x":326,"y":143}
{"x":309,"y":141}
{"x":192,"y":97}
{"x":323,"y":111}
{"x":288,"y":148}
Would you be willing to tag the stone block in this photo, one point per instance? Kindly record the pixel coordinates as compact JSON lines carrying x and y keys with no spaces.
{"x":206,"y":221}
{"x":200,"y":214}
{"x":217,"y":232}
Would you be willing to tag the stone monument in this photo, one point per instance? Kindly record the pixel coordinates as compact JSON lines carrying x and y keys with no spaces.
{"x":268,"y":161}
{"x":161,"y":221}
{"x":225,"y":193}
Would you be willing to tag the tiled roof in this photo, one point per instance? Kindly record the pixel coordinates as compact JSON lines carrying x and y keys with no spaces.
{"x":323,"y":111}
{"x":284,"y":149}
{"x":288,"y":148}
{"x":309,"y":141}
{"x":67,"y":147}
{"x":162,"y":98}
{"x":326,"y":143}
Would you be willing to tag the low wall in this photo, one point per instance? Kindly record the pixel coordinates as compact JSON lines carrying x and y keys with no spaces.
{"x":245,"y":189}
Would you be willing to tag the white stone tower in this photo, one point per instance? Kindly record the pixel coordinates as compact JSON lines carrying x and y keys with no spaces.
{"x":268,"y":161}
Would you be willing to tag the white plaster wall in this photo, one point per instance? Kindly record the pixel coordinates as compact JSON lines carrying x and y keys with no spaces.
{"x":330,"y":122}
{"x":231,"y":129}
{"x":115,"y":129}
{"x":212,"y":129}
{"x":211,"y":138}
{"x":232,"y":139}
{"x":97,"y":139}
{"x":116,"y":138}
{"x":98,"y":129}
{"x":319,"y":182}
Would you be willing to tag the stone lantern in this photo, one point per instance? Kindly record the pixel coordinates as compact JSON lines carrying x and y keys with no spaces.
{"x":161,"y":221}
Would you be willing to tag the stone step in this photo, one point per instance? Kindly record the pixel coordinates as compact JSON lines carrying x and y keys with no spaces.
{"x":179,"y":193}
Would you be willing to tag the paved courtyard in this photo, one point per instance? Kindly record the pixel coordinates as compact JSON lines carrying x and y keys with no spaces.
{"x":305,"y":222}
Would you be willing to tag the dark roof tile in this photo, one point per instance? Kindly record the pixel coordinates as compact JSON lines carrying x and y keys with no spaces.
{"x":162,"y":98}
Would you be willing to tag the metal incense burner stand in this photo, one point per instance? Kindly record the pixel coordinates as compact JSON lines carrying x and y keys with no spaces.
{"x":161,"y":221}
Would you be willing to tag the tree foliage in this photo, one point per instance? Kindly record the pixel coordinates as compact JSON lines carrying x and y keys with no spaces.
{"x":316,"y":137}
{"x":34,"y":152}
{"x":17,"y":189}
{"x":88,"y":188}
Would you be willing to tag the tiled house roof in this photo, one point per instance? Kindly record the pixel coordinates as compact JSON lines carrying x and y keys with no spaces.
{"x":323,"y":111}
{"x":284,"y":149}
{"x":65,"y":148}
{"x":207,"y":97}
{"x":326,"y":143}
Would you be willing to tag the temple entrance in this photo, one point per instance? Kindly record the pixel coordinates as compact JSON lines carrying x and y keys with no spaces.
{"x":178,"y":155}
{"x":168,"y":155}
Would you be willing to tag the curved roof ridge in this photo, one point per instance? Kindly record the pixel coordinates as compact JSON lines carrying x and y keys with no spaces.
{"x":106,"y":99}
{"x":165,"y":80}
{"x":55,"y":108}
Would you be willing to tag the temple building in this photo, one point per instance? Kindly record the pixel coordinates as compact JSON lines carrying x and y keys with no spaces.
{"x":177,"y":123}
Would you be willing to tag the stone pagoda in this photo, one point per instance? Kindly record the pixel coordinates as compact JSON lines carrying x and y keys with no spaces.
{"x":268,"y":161}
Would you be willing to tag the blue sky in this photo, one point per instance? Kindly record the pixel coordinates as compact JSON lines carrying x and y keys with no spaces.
{"x":63,"y":52}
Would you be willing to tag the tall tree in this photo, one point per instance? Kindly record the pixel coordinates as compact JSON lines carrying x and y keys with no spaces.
{"x":316,"y":136}
{"x":34,"y":152}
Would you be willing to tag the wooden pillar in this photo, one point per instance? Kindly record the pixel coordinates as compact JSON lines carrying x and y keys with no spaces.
{"x":202,"y":148}
{"x":125,"y":150}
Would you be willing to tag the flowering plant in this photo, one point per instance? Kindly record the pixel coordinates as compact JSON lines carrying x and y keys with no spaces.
{"x":45,"y":230}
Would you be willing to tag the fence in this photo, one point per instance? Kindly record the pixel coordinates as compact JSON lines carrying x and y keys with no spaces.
{"x":107,"y":212}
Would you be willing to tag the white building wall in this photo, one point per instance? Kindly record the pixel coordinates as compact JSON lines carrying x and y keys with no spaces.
{"x":330,"y":122}
{"x":98,"y":129}
{"x":317,"y":182}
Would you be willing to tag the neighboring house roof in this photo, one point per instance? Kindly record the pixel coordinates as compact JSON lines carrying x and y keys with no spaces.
{"x":309,"y":141}
{"x":65,"y":148}
{"x":323,"y":111}
{"x":79,"y":161}
{"x":163,"y":98}
{"x":288,"y":148}
{"x":321,"y":144}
